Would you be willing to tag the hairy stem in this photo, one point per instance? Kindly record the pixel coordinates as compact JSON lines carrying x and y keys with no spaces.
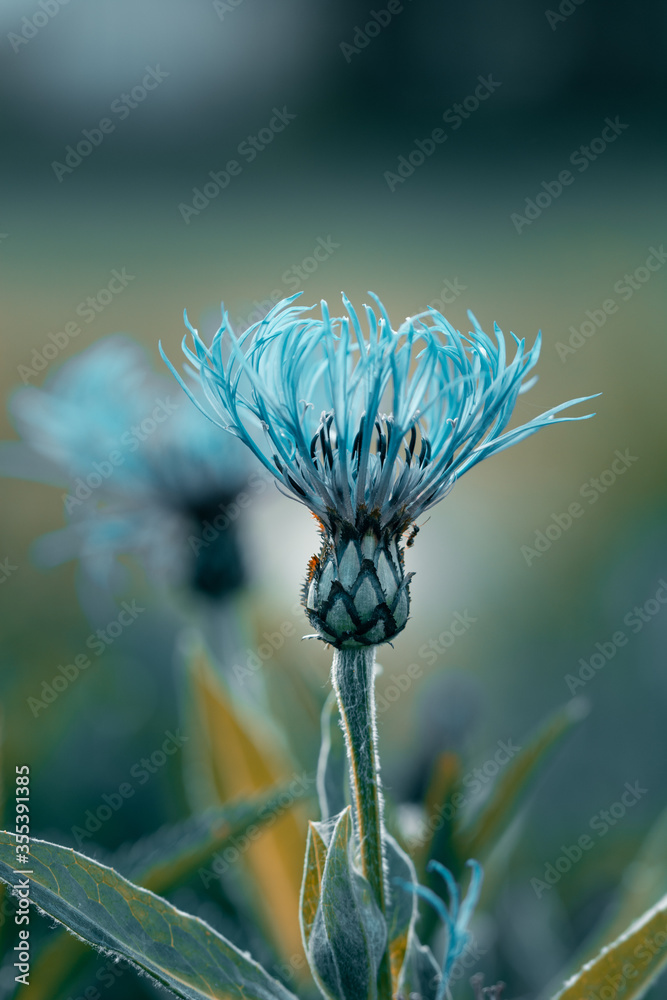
{"x":354,"y":683}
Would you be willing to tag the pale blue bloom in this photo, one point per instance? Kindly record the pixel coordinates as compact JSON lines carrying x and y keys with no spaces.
{"x":378,"y":422}
{"x":368,"y":429}
{"x":142,"y":469}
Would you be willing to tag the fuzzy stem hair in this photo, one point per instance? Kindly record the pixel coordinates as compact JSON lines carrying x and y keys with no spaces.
{"x":353,"y":678}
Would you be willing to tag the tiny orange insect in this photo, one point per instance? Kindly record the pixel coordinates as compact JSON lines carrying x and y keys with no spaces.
{"x":414,"y":531}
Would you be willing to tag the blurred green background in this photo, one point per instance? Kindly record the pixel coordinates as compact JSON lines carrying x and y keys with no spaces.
{"x":321,"y":181}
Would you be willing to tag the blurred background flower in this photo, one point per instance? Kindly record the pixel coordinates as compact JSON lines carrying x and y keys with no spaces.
{"x":143,"y":471}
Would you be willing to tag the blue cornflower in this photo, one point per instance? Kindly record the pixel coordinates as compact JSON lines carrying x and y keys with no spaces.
{"x":368,"y":429}
{"x":144,"y":471}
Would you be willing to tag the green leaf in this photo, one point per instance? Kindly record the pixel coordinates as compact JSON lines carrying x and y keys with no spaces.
{"x":158,"y":862}
{"x":627,"y":967}
{"x":444,"y":783}
{"x":422,"y":975}
{"x":95,"y":902}
{"x":477,"y":840}
{"x":440,"y":821}
{"x":242,"y":756}
{"x":165,"y":858}
{"x":645,"y":881}
{"x":316,"y":855}
{"x":348,"y":934}
{"x":401,"y":907}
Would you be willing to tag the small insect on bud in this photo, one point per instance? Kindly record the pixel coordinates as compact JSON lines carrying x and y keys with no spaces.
{"x":357,"y":592}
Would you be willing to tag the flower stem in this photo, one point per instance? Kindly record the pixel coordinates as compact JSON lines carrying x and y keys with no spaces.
{"x":353,"y":681}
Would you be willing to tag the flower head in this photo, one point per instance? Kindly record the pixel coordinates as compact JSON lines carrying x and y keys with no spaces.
{"x":144,"y":471}
{"x":367,"y":428}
